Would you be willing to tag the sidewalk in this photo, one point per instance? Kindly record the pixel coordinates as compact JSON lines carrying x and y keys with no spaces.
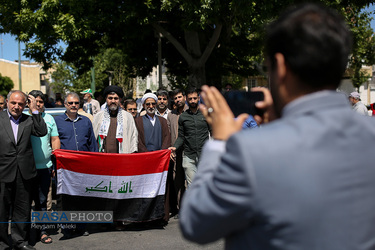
{"x":169,"y":237}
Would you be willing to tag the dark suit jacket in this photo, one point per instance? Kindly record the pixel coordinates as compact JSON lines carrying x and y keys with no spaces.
{"x":19,"y":155}
{"x":166,"y":135}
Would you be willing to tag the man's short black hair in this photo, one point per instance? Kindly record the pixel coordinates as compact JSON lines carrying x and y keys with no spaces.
{"x":128,"y":102}
{"x":38,"y":93}
{"x":162,"y":92}
{"x":192,"y":90}
{"x":177,"y":91}
{"x":315,"y":42}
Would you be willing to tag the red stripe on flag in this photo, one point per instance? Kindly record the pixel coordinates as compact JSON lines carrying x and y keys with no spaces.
{"x":113,"y":164}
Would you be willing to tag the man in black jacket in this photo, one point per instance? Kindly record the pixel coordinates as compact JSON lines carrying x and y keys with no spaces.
{"x":17,"y":167}
{"x":193,"y":131}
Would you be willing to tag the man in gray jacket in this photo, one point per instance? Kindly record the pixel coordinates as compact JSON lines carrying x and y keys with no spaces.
{"x":304,"y":181}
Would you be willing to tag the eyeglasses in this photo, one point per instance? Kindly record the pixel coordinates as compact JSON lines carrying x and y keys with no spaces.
{"x":151,"y":103}
{"x":162,"y":99}
{"x":132,"y":109}
{"x":71,"y":103}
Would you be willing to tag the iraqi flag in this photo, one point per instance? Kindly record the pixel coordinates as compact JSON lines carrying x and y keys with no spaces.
{"x":130,"y":185}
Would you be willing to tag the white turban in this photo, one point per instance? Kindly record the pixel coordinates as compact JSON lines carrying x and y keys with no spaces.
{"x":149,"y":95}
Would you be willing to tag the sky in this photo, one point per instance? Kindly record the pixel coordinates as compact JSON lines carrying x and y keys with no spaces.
{"x":9,"y":46}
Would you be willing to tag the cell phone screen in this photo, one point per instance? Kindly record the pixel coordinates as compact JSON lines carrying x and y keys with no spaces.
{"x":244,"y":102}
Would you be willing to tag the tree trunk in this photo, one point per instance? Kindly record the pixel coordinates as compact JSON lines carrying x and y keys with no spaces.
{"x":193,"y":55}
{"x":197,"y":76}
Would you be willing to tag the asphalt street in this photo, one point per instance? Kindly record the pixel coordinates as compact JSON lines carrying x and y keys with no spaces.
{"x":168,"y":237}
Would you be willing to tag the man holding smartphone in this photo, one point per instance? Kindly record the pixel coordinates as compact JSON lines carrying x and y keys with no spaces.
{"x":303,"y":181}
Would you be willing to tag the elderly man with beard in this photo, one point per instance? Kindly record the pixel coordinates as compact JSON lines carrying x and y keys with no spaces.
{"x":153,"y":132}
{"x":114,"y":127}
{"x":193,"y":132}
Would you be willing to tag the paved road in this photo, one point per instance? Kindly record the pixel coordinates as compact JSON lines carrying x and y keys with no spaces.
{"x":169,"y":237}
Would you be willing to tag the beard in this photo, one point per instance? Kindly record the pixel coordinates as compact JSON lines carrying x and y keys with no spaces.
{"x":193,"y":105}
{"x":113,"y":107}
{"x":162,"y":106}
{"x":150,"y":110}
{"x":180,"y":104}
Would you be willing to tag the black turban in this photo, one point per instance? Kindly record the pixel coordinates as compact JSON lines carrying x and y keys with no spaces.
{"x":115,"y":89}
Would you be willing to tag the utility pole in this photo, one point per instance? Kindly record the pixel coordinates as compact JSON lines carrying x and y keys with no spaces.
{"x":19,"y":65}
{"x":93,"y":77}
{"x":159,"y":63}
{"x":2,"y":43}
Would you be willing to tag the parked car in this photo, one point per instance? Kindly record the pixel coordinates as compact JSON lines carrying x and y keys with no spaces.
{"x":52,"y":111}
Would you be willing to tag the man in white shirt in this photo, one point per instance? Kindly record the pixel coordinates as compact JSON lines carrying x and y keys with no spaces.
{"x":358,"y":106}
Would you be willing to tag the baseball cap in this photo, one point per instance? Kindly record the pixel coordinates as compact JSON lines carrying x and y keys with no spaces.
{"x":355,"y":95}
{"x":86,"y":91}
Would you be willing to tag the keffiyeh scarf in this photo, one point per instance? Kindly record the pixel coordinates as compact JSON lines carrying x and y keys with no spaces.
{"x":103,"y":130}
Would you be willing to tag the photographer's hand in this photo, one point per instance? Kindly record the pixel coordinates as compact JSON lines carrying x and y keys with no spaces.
{"x":266,"y":105}
{"x":219,"y":115}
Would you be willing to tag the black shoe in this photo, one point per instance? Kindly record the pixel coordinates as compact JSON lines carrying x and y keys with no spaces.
{"x":67,"y":236}
{"x":82,"y":233}
{"x":26,"y":247}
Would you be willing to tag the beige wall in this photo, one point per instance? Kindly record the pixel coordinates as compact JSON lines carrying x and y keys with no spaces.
{"x":29,"y":73}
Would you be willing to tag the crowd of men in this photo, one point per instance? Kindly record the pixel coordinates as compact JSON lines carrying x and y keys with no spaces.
{"x":117,"y":126}
{"x":303,"y":181}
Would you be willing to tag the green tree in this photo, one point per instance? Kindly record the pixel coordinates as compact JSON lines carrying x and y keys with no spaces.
{"x":6,"y":84}
{"x":363,"y":44}
{"x":67,"y":77}
{"x":202,"y":40}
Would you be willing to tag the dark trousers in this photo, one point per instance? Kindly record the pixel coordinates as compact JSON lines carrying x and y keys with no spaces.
{"x":15,"y":195}
{"x":179,"y":178}
{"x":41,"y":189}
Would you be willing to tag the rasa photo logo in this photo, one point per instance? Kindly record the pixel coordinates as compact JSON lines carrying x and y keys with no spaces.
{"x":72,"y":217}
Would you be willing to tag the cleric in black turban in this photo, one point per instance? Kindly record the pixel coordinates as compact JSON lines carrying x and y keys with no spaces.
{"x":113,"y":89}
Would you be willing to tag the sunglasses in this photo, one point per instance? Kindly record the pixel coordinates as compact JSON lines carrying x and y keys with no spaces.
{"x":151,"y":103}
{"x":162,"y":99}
{"x":132,"y":109}
{"x":71,"y":103}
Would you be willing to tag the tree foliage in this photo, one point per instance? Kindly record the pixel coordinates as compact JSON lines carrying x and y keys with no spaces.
{"x":363,"y":52}
{"x":202,"y":40}
{"x":67,"y":77}
{"x":6,"y":84}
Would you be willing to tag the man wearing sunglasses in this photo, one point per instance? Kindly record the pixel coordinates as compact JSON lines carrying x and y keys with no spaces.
{"x":75,"y":133}
{"x":131,"y":106}
{"x":153,"y":132}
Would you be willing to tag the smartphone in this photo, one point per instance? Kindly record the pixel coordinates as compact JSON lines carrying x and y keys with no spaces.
{"x":244,"y":102}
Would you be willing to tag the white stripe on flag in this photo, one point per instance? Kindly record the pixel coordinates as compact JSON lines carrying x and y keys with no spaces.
{"x":112,"y":187}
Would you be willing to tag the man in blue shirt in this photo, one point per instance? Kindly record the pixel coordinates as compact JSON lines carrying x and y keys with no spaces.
{"x":76,"y":133}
